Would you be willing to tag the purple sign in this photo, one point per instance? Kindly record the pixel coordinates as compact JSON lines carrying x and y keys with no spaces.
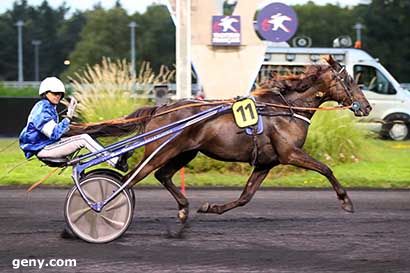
{"x":277,"y":22}
{"x":226,"y":30}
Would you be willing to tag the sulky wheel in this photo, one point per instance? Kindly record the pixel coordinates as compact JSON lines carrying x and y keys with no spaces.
{"x":104,"y":226}
{"x":110,"y":172}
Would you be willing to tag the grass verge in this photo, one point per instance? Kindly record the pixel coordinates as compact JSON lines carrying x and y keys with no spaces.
{"x":18,"y":92}
{"x":388,"y":166}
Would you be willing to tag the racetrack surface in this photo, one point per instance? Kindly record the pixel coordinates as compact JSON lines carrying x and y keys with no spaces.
{"x":278,"y":231}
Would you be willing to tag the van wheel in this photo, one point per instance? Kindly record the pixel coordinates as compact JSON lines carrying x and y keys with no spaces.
{"x":396,"y":127}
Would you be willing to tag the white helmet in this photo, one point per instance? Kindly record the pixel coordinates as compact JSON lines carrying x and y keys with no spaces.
{"x":51,"y":84}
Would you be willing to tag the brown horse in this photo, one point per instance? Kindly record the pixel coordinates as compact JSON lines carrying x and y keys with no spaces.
{"x":281,"y":142}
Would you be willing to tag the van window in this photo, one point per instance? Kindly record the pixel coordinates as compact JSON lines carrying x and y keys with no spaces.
{"x":371,"y":79}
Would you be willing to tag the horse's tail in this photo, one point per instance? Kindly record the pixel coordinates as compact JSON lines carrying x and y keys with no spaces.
{"x":133,"y":123}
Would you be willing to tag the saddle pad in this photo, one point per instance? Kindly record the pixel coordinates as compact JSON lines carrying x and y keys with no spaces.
{"x":259,"y":128}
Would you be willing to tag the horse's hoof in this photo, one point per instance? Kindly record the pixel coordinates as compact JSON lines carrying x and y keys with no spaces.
{"x":204,"y":208}
{"x":347,"y":205}
{"x":183,"y":215}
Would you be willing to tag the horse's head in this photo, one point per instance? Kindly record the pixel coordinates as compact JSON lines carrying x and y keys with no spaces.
{"x":341,"y":87}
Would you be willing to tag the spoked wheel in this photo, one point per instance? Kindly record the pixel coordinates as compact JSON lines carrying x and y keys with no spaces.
{"x":110,"y":172}
{"x":104,"y":226}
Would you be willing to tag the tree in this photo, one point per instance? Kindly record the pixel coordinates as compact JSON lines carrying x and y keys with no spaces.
{"x":105,"y":33}
{"x":8,"y":40}
{"x":155,"y":36}
{"x":46,"y":23}
{"x":324,"y":23}
{"x":40,"y":23}
{"x":86,"y":37}
{"x":387,"y":34}
{"x":228,"y":7}
{"x":69,"y":35}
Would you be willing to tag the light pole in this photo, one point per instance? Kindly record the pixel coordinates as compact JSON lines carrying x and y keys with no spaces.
{"x":358,"y":27}
{"x":36,"y":44}
{"x":20,"y":25}
{"x":183,"y":48}
{"x":133,"y":25}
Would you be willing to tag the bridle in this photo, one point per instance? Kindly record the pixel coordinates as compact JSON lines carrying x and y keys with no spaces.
{"x":355,"y":105}
{"x":336,"y":79}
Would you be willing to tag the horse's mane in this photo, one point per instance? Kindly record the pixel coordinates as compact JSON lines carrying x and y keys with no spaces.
{"x":291,"y":82}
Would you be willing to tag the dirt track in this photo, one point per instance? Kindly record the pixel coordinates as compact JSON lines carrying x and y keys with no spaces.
{"x":279,"y":231}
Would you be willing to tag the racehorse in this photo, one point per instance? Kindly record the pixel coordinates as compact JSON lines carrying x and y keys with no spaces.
{"x":286,"y":105}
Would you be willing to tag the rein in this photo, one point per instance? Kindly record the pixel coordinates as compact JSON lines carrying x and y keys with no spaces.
{"x":136,"y":119}
{"x":230,"y":101}
{"x":287,"y":105}
{"x":324,"y":108}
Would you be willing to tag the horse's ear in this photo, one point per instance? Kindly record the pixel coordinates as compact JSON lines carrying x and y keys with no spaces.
{"x":274,"y":75}
{"x":329,"y":59}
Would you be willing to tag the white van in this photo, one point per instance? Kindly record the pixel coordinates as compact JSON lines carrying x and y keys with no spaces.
{"x":390,"y":102}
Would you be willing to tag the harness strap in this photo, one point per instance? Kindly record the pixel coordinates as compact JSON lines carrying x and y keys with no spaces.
{"x":259,"y":126}
{"x":287,"y":103}
{"x":281,"y":114}
{"x":256,"y":130}
{"x":254,"y":156}
{"x":323,"y":108}
{"x":302,"y":118}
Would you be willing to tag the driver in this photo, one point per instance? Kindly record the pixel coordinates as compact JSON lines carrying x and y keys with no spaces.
{"x":42,"y":136}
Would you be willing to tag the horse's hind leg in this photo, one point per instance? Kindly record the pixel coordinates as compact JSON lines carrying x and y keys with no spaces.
{"x":163,"y":159}
{"x":301,"y":159}
{"x":165,"y":174}
{"x":254,"y":181}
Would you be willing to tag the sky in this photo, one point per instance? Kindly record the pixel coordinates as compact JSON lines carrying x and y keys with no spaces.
{"x":140,"y":5}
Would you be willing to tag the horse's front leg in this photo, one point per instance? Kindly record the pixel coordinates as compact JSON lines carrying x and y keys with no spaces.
{"x":254,"y":181}
{"x":299,"y":158}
